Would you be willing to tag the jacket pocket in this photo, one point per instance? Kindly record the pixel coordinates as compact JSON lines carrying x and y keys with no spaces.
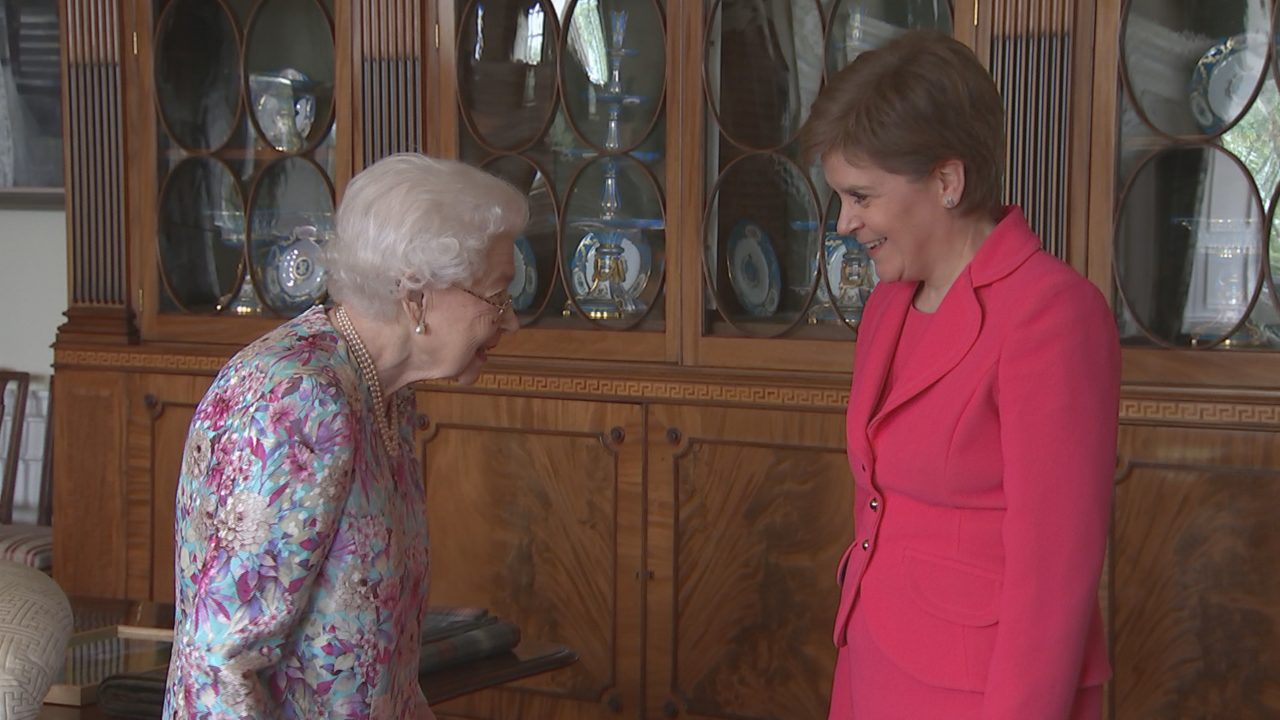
{"x":951,"y":589}
{"x":934,"y":617}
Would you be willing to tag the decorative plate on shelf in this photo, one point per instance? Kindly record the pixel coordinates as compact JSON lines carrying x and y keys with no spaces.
{"x":637,"y":259}
{"x":850,"y":273}
{"x":524,"y":283}
{"x":754,"y":271}
{"x":1223,"y":81}
{"x":299,"y":274}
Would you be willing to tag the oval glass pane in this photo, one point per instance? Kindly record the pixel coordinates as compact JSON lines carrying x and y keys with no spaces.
{"x":1273,"y":253}
{"x":201,"y":234}
{"x":535,"y":250}
{"x":859,"y":25}
{"x":290,"y":218}
{"x":1193,"y":67}
{"x":197,"y":73}
{"x":614,"y":70}
{"x":1253,"y":139}
{"x":1262,"y":328}
{"x":761,"y":243}
{"x":614,"y":241}
{"x":844,"y":271}
{"x":763,"y":69}
{"x":1188,"y":245}
{"x":289,"y":73}
{"x":507,"y":71}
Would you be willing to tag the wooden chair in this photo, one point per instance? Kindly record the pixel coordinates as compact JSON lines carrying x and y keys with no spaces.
{"x":29,"y":544}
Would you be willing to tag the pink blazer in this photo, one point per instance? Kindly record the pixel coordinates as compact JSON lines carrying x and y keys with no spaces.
{"x":983,"y":481}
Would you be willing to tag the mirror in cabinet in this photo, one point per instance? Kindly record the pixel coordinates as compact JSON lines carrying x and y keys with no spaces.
{"x":245,"y":137}
{"x":1195,"y":255}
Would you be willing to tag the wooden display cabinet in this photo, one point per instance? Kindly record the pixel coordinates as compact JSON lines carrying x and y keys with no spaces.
{"x":659,"y":484}
{"x":1181,"y":233}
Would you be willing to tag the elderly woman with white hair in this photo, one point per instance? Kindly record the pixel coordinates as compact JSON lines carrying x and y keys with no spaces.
{"x":301,"y":541}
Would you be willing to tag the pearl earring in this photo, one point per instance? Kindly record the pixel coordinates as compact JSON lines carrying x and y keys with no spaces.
{"x":421,"y":328}
{"x":948,"y":202}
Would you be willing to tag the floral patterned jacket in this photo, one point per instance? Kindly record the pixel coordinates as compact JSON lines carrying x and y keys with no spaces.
{"x":302,"y":558}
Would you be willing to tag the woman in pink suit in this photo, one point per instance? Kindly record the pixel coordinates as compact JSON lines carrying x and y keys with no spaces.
{"x":982,"y":418}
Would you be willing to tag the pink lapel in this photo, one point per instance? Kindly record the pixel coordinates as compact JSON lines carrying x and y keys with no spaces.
{"x":873,"y":366}
{"x":955,"y":327}
{"x":952,"y":331}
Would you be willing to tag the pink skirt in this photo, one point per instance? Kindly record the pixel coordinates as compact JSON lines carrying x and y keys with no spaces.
{"x":869,"y":686}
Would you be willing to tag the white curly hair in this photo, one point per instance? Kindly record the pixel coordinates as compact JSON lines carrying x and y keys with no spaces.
{"x":409,"y":223}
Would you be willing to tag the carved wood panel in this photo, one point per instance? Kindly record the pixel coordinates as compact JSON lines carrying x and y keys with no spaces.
{"x":389,"y":38}
{"x":1039,"y":57}
{"x":749,"y":512}
{"x":89,"y":509}
{"x":535,"y":513}
{"x":160,"y":410}
{"x":94,"y":132}
{"x":1195,"y":604}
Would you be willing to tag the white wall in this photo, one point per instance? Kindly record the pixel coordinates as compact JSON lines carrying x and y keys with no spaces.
{"x":33,"y":287}
{"x":26,"y":496}
{"x":33,"y":296}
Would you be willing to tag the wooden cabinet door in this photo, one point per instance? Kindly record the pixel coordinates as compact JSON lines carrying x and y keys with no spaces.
{"x":1195,"y":596}
{"x":535,"y":510}
{"x":749,"y":513}
{"x":90,"y":505}
{"x":160,"y":409}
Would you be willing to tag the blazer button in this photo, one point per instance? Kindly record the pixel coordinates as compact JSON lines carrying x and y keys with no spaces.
{"x":875,"y":503}
{"x":866,"y":544}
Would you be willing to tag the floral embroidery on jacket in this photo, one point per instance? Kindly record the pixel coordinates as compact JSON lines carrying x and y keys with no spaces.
{"x":301,"y":548}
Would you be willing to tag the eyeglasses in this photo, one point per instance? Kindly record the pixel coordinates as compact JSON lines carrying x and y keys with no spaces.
{"x":500,"y":300}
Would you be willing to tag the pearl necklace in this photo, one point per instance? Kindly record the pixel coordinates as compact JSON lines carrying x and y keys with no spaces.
{"x":364,"y":364}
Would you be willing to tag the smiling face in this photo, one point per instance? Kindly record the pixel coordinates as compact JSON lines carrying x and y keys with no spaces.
{"x":895,"y":218}
{"x":463,"y":325}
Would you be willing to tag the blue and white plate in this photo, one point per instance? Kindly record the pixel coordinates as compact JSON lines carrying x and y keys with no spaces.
{"x":524,"y":283}
{"x":637,"y":259}
{"x":299,"y":274}
{"x":754,"y":271}
{"x":1223,"y":81}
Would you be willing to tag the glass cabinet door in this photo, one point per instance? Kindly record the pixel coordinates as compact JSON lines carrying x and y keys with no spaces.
{"x":772,"y":260}
{"x":244,"y":97}
{"x":564,"y":98}
{"x":1196,"y":248}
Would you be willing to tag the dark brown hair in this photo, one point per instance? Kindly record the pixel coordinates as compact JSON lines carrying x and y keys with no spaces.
{"x":906,"y":107}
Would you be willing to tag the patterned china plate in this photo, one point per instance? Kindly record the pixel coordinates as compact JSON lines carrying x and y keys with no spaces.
{"x":300,"y":276}
{"x":1223,"y":81}
{"x":754,"y":271}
